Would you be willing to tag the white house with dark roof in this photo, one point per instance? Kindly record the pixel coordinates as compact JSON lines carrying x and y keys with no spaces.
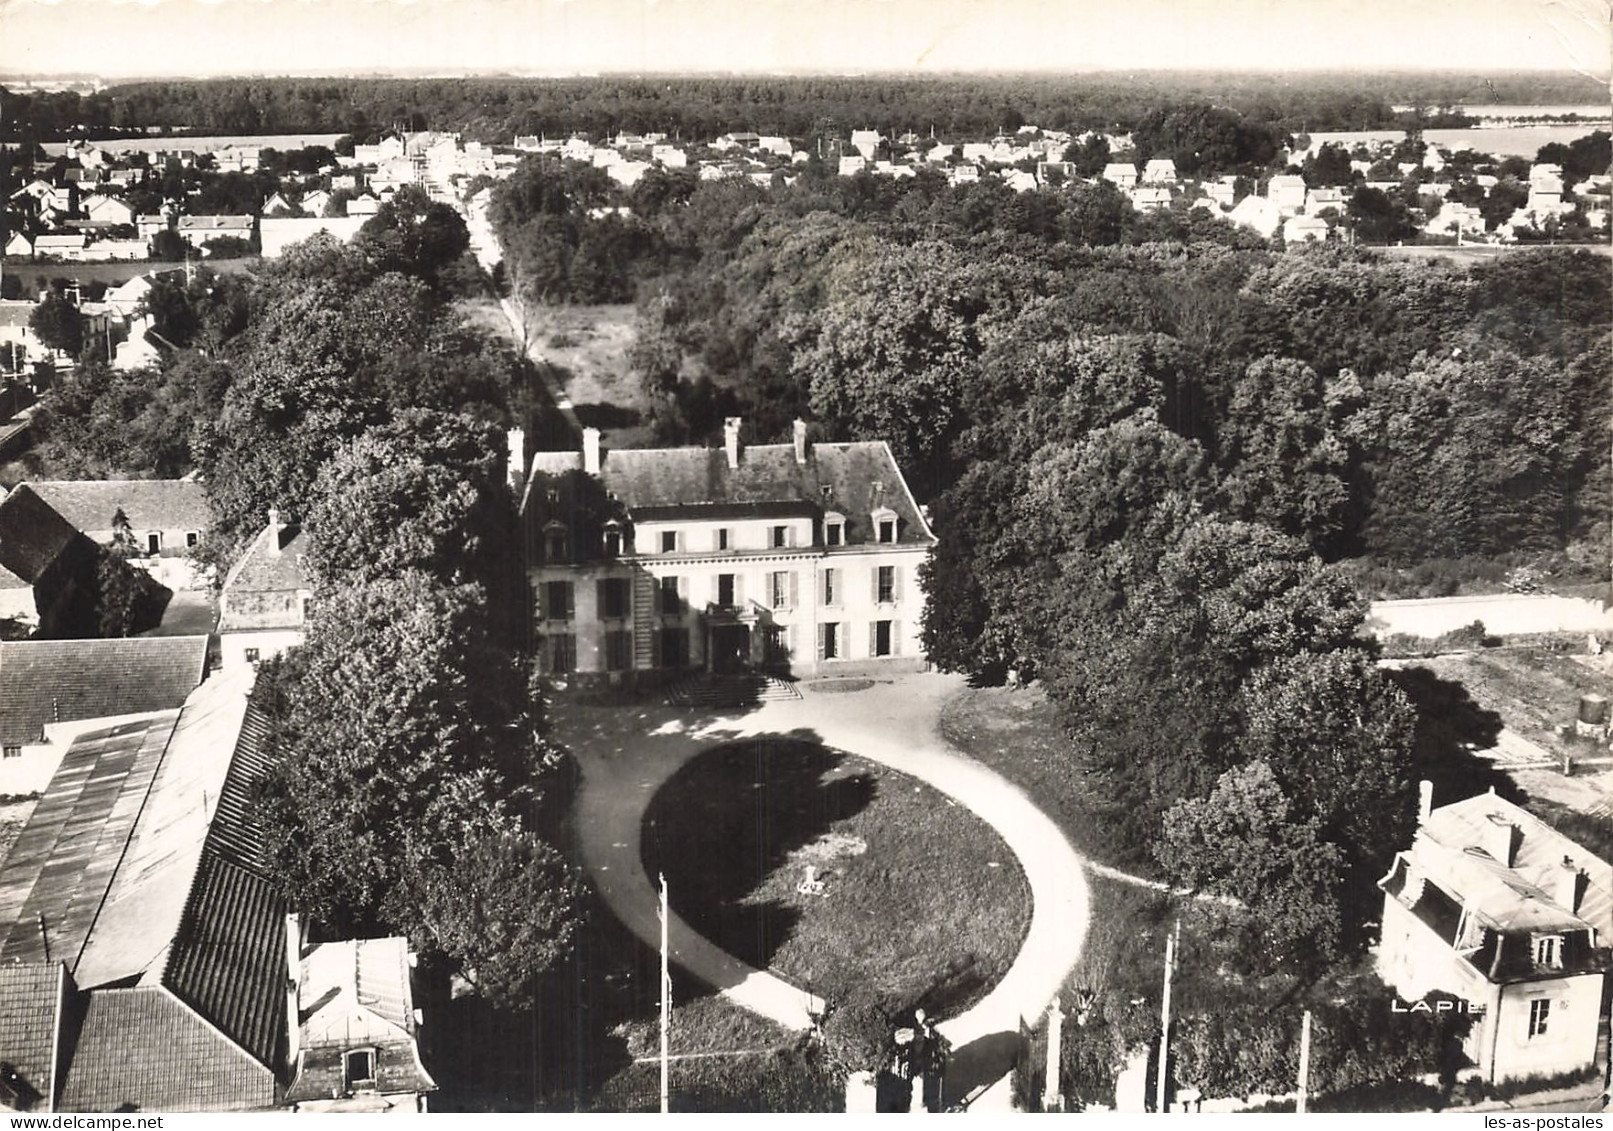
{"x":264,"y":603}
{"x":1492,"y":905}
{"x":168,"y":518}
{"x":796,"y":558}
{"x":1120,"y":174}
{"x":198,"y":230}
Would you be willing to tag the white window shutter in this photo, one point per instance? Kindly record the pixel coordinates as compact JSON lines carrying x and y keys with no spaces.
{"x":873,"y":586}
{"x":823,"y":632}
{"x":896,"y":583}
{"x":739,"y":589}
{"x":896,"y":638}
{"x":873,"y":638}
{"x":795,"y":588}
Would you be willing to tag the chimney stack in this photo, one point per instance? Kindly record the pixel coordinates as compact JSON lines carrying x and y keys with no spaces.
{"x":590,"y":450}
{"x":800,"y":442}
{"x":1425,"y":801}
{"x":1570,"y":886}
{"x":730,"y":439}
{"x":274,"y":530}
{"x":1500,"y":839}
{"x":517,"y":468}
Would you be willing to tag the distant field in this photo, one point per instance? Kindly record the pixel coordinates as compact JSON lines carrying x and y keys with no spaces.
{"x":589,"y":346}
{"x":37,"y":276}
{"x":1477,"y":254}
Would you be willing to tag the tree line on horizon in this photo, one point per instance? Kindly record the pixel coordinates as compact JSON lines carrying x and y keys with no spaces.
{"x":494,"y":109}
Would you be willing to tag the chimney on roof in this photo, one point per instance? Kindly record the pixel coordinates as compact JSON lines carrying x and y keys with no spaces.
{"x":517,"y":468}
{"x":590,"y":450}
{"x":1425,"y":801}
{"x":800,"y":442}
{"x":1569,"y":888}
{"x":730,"y":440}
{"x":1500,"y":838}
{"x":274,"y":530}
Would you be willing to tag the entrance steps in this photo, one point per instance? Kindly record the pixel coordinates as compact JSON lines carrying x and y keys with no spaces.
{"x":744,"y":689}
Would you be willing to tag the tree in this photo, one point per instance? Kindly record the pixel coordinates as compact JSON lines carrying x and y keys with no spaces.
{"x":1379,"y":218}
{"x":1243,"y":841}
{"x":893,"y":350}
{"x":416,"y":235}
{"x":506,"y":907}
{"x":120,"y":593}
{"x":401,"y":729}
{"x":168,"y":246}
{"x":57,"y":324}
{"x":1338,"y":736}
{"x":424,"y":492}
{"x":1285,"y":463}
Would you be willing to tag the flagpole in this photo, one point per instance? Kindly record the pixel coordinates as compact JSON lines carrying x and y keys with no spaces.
{"x":666,"y":996}
{"x":1304,"y":1064}
{"x":1165,"y":1019}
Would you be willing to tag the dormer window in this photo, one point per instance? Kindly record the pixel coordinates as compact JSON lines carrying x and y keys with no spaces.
{"x":884,"y":525}
{"x":669,"y":541}
{"x":1548,"y":950}
{"x":781,"y":537}
{"x":555,"y":542}
{"x":613,"y":542}
{"x":358,"y":1070}
{"x":834,"y":529}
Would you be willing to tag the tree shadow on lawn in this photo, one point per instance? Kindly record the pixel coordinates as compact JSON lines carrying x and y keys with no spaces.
{"x":722,"y":824}
{"x":1451,"y":725}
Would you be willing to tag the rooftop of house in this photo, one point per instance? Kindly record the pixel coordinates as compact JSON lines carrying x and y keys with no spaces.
{"x":31,"y":999}
{"x":357,"y":993}
{"x":1501,"y":876}
{"x":692,"y":484}
{"x":210,"y":223}
{"x":149,"y":504}
{"x":272,"y":563}
{"x":15,"y":313}
{"x":58,"y":681}
{"x":146,"y":860}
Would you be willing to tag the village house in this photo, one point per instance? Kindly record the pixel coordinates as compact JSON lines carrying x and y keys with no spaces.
{"x":47,"y":568}
{"x":1150,"y":197}
{"x":263,"y":605}
{"x":1159,"y":171}
{"x":64,"y":247}
{"x":356,"y":1043}
{"x":18,"y":342}
{"x":51,"y":691}
{"x":139,"y":893}
{"x":651,"y":565}
{"x":147,"y":226}
{"x":1286,"y":191}
{"x":198,"y":230}
{"x":1304,"y":229}
{"x":1121,"y":175}
{"x":1318,"y":200}
{"x":107,"y":209}
{"x":166,"y":516}
{"x":1258,"y":214}
{"x":1495,"y":907}
{"x":19,"y":246}
{"x":276,"y":233}
{"x":127,"y":296}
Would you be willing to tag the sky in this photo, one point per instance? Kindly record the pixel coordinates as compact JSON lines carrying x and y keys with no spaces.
{"x":120,"y":38}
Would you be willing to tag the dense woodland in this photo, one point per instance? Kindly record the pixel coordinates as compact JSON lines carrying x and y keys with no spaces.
{"x":1146,"y":441}
{"x":495,"y":108}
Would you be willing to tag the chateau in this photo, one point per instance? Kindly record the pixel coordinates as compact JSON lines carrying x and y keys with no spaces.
{"x":796,"y":558}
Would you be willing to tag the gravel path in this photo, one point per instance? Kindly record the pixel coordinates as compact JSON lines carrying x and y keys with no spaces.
{"x":626,"y":753}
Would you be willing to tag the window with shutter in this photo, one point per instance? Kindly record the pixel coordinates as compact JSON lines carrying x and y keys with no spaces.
{"x":896,"y":638}
{"x":896,"y":583}
{"x":795,"y":589}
